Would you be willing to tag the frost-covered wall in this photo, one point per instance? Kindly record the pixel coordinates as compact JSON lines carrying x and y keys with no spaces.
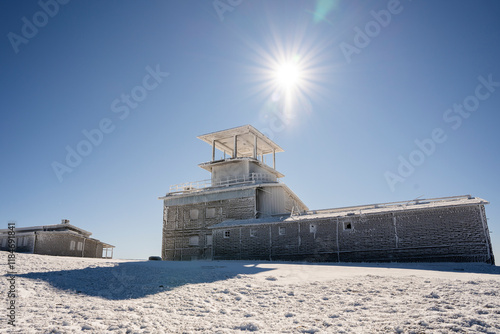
{"x":185,"y":233}
{"x":59,"y":243}
{"x":24,"y":242}
{"x":67,"y":244}
{"x":187,"y":217}
{"x":456,"y":234}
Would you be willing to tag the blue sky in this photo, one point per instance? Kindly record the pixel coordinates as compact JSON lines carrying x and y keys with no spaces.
{"x":143,"y":79}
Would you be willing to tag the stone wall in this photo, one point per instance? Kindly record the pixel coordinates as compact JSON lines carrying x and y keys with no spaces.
{"x":420,"y":234}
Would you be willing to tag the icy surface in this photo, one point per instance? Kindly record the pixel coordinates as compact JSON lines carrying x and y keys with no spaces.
{"x":74,"y":295}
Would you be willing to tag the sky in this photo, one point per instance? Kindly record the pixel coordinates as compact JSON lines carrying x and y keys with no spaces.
{"x":372,"y":101}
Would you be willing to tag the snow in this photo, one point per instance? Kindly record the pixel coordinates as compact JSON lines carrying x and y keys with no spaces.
{"x":74,"y":295}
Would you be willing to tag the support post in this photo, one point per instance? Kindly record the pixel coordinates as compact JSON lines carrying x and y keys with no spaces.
{"x":235,"y":152}
{"x":274,"y":159}
{"x":213,"y":150}
{"x":255,"y":147}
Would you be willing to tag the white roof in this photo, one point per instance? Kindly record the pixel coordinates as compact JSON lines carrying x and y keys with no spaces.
{"x":246,"y":134}
{"x":50,"y":228}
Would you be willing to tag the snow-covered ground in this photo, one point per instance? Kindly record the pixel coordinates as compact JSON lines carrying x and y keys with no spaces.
{"x":73,"y":295}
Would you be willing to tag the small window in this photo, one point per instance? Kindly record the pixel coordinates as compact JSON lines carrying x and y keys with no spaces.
{"x":72,"y":245}
{"x":79,"y":246}
{"x":25,"y":241}
{"x":227,"y":234}
{"x":193,"y":214}
{"x":282,"y":230}
{"x":4,"y":242}
{"x":347,"y":226}
{"x":253,"y":233}
{"x":312,"y":228}
{"x":209,"y":240}
{"x":210,"y":213}
{"x":194,"y":241}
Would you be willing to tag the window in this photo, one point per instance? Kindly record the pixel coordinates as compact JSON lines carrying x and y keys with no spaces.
{"x":72,"y":245}
{"x":227,"y":234}
{"x":282,"y":230}
{"x":25,"y":241}
{"x":4,"y":242}
{"x":312,"y":228}
{"x":210,"y":213}
{"x":194,"y":240}
{"x":253,"y":233}
{"x":209,"y":240}
{"x":193,"y":214}
{"x":347,"y":226}
{"x":79,"y":246}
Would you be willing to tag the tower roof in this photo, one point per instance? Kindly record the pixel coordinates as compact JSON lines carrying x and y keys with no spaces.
{"x":247,"y":137}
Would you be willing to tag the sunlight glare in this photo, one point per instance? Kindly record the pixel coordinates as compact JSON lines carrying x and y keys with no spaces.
{"x":288,"y":75}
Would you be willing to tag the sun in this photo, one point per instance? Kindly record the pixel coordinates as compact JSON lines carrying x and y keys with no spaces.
{"x":288,"y":72}
{"x":288,"y":75}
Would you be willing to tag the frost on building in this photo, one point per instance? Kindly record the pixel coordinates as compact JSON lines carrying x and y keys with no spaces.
{"x":245,"y":212}
{"x":59,"y":239}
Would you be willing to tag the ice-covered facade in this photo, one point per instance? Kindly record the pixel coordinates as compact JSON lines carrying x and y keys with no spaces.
{"x":62,"y":239}
{"x":245,"y":212}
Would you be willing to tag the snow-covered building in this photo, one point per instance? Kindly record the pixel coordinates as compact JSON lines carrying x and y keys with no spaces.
{"x":245,"y":212}
{"x":59,"y":239}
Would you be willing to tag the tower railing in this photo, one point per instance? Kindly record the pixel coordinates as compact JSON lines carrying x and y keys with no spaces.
{"x":229,"y":181}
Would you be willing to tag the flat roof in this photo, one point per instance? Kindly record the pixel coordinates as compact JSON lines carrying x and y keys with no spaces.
{"x":246,"y":134}
{"x":49,"y":228}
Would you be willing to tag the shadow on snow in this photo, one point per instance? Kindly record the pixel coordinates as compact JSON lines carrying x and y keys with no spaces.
{"x":139,"y":279}
{"x":130,"y":280}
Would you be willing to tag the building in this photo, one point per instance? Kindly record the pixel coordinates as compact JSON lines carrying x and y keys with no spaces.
{"x":60,"y":239}
{"x":245,"y":212}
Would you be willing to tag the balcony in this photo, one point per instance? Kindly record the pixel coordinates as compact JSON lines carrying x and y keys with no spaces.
{"x":195,"y":186}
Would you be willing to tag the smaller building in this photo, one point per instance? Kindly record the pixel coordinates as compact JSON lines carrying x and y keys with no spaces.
{"x":60,"y":239}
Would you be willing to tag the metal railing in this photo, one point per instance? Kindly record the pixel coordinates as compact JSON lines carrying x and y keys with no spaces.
{"x":203,"y":184}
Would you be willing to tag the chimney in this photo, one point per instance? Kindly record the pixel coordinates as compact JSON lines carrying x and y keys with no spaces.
{"x":64,"y":221}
